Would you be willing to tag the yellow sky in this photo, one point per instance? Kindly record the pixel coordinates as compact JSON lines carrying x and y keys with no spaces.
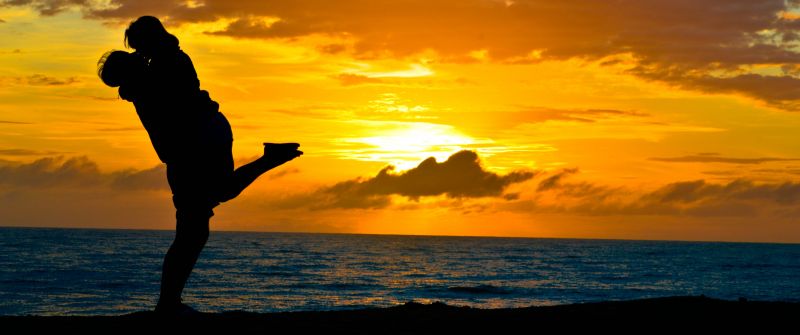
{"x":581,"y":125}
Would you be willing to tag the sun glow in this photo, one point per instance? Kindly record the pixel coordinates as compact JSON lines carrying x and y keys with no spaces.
{"x":409,"y":142}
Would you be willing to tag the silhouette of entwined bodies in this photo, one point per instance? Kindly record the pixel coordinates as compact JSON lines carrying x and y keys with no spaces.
{"x":190,"y":135}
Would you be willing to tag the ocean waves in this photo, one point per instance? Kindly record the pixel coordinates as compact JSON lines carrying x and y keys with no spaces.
{"x":97,"y":272}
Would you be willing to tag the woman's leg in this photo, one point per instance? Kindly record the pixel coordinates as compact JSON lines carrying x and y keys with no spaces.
{"x":274,"y":155}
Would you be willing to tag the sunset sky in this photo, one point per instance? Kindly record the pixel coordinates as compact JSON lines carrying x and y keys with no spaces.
{"x":640,"y":119}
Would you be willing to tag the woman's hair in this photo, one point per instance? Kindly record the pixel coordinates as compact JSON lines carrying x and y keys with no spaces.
{"x":115,"y":67}
{"x":147,"y":35}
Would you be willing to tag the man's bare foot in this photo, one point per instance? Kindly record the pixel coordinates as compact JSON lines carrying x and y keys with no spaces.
{"x":179,"y":309}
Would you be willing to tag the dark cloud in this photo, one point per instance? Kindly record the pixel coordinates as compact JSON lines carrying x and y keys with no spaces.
{"x":75,"y":192}
{"x":251,"y":27}
{"x":153,"y":179}
{"x":56,"y":172}
{"x":282,"y":173}
{"x":43,"y":80}
{"x":778,"y":91}
{"x":701,"y":198}
{"x":555,"y":180}
{"x":542,"y":114}
{"x":332,"y":48}
{"x":723,"y":174}
{"x":719,"y":159}
{"x":557,"y":184}
{"x":700,"y":191}
{"x":25,"y":152}
{"x":13,"y":122}
{"x":40,"y":80}
{"x":47,"y":7}
{"x":350,"y":79}
{"x":790,"y":170}
{"x":460,"y":176}
{"x":52,"y":171}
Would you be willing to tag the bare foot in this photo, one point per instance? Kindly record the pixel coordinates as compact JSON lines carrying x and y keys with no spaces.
{"x":276,"y":154}
{"x":280,"y":146}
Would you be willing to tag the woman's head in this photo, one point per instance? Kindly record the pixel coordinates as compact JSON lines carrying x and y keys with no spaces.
{"x":116,"y":68}
{"x":148,"y":36}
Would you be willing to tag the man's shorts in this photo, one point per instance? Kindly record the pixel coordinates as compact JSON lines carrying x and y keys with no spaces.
{"x":203,"y":172}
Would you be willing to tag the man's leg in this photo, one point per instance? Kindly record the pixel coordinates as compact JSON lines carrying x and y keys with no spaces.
{"x":191,"y":235}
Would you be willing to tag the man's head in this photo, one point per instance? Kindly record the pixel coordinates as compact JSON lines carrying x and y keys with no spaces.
{"x":116,"y":68}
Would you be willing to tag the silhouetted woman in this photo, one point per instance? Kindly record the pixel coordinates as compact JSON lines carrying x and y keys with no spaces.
{"x":190,"y":135}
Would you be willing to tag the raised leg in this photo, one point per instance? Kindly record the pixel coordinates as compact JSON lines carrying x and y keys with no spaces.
{"x":275,"y":154}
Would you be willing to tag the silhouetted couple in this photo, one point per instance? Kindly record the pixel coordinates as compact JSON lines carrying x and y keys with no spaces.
{"x":190,"y":135}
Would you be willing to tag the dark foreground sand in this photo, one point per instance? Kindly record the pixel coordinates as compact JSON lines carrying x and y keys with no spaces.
{"x":676,"y":314}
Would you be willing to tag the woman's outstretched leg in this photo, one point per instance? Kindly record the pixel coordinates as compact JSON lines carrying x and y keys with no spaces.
{"x":275,"y":154}
{"x":191,"y":235}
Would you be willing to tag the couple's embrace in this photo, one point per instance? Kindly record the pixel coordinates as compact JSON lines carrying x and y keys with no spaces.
{"x":190,"y":135}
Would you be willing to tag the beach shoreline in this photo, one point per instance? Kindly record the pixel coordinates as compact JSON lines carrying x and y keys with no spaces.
{"x":690,"y":312}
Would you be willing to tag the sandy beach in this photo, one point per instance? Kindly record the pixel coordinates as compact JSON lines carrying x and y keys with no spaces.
{"x":644,"y":316}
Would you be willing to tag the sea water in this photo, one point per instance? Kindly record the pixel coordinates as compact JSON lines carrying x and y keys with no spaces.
{"x":109,"y":272}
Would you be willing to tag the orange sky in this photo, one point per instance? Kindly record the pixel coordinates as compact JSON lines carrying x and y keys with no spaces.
{"x":630,"y":119}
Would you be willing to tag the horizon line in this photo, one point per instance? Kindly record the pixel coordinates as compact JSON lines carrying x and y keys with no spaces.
{"x":413,"y":235}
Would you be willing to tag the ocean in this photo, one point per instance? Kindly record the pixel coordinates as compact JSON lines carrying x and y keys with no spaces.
{"x":111,"y":272}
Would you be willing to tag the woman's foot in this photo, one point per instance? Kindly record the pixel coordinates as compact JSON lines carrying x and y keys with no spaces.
{"x":280,"y":146}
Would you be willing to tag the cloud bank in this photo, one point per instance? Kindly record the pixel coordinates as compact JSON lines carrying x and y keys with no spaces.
{"x":76,"y":192}
{"x":78,"y":172}
{"x":465,"y":185}
{"x":714,"y":46}
{"x":719,"y":159}
{"x":699,"y":198}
